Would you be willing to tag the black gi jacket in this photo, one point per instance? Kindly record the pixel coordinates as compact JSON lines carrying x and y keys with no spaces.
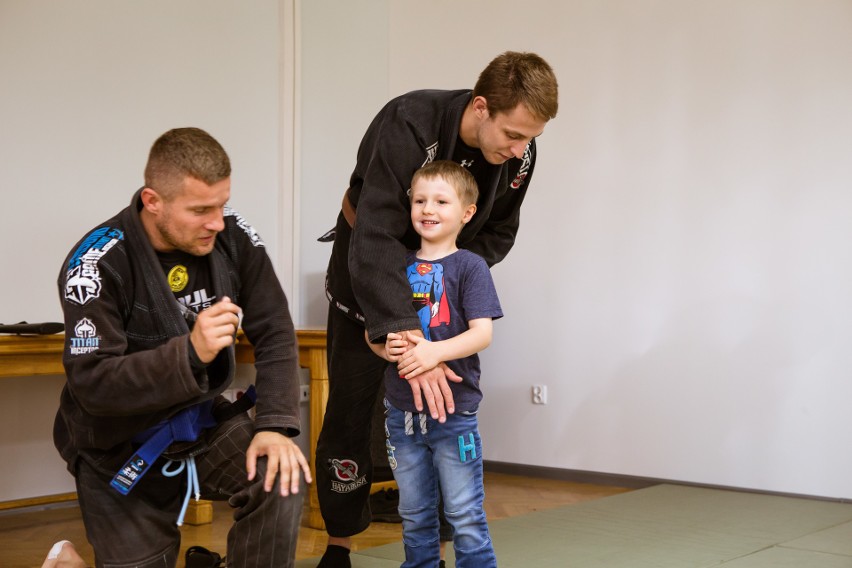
{"x":126,"y":352}
{"x":367,"y":268}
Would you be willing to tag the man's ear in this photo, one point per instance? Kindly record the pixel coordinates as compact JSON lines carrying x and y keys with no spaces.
{"x":468,"y":213}
{"x":151,"y":200}
{"x":480,"y":107}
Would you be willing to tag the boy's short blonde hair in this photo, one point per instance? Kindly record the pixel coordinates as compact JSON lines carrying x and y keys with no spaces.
{"x":455,"y":175}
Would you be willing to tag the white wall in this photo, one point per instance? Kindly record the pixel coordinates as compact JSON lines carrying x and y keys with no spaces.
{"x":343,"y":83}
{"x":681,"y":280}
{"x":87,"y":86}
{"x":681,"y":277}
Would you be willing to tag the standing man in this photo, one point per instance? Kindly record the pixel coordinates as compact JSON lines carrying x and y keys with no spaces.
{"x":491,"y":131}
{"x":153,"y":299}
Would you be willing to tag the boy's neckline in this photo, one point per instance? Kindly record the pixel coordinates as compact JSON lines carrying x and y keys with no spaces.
{"x":432,"y":256}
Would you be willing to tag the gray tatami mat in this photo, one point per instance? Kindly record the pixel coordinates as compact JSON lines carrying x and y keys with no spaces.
{"x":666,"y":526}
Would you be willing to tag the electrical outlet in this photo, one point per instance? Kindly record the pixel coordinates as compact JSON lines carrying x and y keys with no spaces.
{"x":304,"y":393}
{"x":539,"y":394}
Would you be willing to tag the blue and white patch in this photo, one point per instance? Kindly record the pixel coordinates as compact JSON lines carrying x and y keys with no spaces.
{"x":83,"y":281}
{"x":85,"y":338}
{"x":243,"y":224}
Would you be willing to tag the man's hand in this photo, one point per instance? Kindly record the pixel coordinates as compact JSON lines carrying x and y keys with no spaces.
{"x":283,"y":457}
{"x":215,"y":329}
{"x":433,"y":386}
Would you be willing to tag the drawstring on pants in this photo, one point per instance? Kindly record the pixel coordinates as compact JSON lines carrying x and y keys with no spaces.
{"x":192,"y":485}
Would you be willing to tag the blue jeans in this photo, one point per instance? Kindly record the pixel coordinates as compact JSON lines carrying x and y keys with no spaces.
{"x":427,"y":457}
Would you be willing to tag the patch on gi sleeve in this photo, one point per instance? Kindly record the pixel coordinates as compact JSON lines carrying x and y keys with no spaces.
{"x":431,"y":153}
{"x":243,"y":224}
{"x":85,"y":338}
{"x":83,"y":279}
{"x":524,"y":169}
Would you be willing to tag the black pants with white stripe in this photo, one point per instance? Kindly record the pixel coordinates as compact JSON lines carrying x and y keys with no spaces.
{"x":139,"y":529}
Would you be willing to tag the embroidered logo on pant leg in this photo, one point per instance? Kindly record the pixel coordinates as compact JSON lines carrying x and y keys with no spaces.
{"x":347,"y":472}
{"x":391,"y":457}
{"x":465,"y":448}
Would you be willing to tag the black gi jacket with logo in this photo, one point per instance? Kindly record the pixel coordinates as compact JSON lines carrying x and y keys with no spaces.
{"x":367,"y":267}
{"x":126,"y":352}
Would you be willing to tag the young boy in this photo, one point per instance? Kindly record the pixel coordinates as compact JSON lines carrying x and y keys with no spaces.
{"x":455,"y":297}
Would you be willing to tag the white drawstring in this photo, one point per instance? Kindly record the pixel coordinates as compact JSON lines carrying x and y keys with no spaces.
{"x":191,"y":481}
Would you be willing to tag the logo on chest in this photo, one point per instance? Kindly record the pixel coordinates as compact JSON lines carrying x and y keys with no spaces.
{"x":178,"y":278}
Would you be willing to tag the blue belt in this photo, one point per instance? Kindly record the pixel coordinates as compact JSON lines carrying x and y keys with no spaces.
{"x":185,"y":426}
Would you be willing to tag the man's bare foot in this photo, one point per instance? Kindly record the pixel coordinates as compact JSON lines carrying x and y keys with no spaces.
{"x":63,"y":555}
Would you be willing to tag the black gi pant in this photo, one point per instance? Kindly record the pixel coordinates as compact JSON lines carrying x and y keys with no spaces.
{"x":344,"y":461}
{"x":139,"y":529}
{"x":344,"y":465}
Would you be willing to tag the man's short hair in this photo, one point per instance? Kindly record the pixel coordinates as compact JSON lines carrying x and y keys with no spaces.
{"x":519,"y":77}
{"x":183,"y":152}
{"x":456,"y":177}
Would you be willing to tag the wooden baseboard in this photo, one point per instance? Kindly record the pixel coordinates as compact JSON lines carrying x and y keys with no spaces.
{"x":630,"y":481}
{"x":197,"y":513}
{"x":577,"y":476}
{"x":37,"y":501}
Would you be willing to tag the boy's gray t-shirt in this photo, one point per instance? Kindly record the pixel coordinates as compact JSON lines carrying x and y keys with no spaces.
{"x":447,"y":293}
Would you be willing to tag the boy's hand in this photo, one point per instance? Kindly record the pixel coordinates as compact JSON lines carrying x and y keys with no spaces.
{"x":423,"y":356}
{"x":395,"y":346}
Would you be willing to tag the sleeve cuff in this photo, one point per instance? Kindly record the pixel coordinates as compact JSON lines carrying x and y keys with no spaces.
{"x":197,"y":365}
{"x":289,"y":432}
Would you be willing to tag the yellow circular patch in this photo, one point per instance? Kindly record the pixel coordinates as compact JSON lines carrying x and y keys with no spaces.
{"x":178,"y":278}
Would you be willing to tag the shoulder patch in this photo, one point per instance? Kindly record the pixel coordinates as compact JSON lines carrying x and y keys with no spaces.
{"x":431,"y":153}
{"x":243,"y":224}
{"x":83,"y":280}
{"x":524,"y":169}
{"x":85,"y":338}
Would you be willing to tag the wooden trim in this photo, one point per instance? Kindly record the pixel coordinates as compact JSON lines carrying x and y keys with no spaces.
{"x":32,"y":355}
{"x":575,"y":475}
{"x":27,"y":355}
{"x":37,"y":501}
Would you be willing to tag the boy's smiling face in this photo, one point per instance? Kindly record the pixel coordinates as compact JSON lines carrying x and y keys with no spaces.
{"x":437,"y":212}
